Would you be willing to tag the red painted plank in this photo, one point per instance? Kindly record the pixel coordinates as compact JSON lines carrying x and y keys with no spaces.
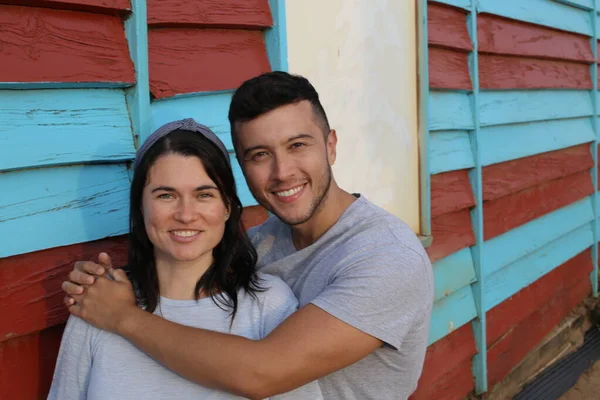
{"x":448,"y":69}
{"x":506,"y":353}
{"x":31,"y":298}
{"x":451,"y":232}
{"x":111,"y":7}
{"x":455,"y":385}
{"x":513,"y":176}
{"x":27,"y":364}
{"x":508,"y":212}
{"x":254,"y":215}
{"x":198,"y":60}
{"x":447,"y":27}
{"x":44,"y":45}
{"x":240,"y":14}
{"x":450,"y":191}
{"x":511,"y":312}
{"x":507,"y":72}
{"x":498,"y":35}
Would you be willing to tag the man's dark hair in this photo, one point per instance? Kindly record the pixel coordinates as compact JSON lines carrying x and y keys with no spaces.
{"x":269,"y":91}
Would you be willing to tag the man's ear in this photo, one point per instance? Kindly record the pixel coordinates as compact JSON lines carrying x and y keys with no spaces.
{"x":331,"y":144}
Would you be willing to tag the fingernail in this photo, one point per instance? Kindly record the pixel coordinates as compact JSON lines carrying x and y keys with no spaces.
{"x":79,"y":290}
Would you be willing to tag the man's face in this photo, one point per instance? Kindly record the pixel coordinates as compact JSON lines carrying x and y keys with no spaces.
{"x":287,"y":161}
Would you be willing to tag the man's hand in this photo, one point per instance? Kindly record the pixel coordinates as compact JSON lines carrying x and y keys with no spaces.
{"x":107,"y":302}
{"x":84,"y":274}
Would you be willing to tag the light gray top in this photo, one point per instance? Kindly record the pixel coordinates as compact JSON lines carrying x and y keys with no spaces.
{"x":97,"y":365}
{"x":370,"y":271}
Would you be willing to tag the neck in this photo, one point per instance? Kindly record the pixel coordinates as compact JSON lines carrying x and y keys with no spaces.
{"x":335,"y":202}
{"x":177,"y":279}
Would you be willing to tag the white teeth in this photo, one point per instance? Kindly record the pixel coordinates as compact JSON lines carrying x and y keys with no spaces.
{"x":291,"y":192}
{"x":184,"y":233}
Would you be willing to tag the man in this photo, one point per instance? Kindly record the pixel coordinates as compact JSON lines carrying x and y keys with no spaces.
{"x":363,"y":280}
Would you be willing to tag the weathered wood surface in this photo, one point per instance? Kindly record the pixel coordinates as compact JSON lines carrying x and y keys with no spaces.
{"x":453,"y":273}
{"x":203,"y":60}
{"x":450,"y":151}
{"x":238,"y":14}
{"x":512,"y":176}
{"x":449,"y":111}
{"x":450,"y":191}
{"x":448,"y":69}
{"x":92,"y":47}
{"x":497,"y":35}
{"x":447,"y":27}
{"x":111,"y":7}
{"x":451,"y":312}
{"x":451,"y":232}
{"x":508,"y":72}
{"x":508,"y":212}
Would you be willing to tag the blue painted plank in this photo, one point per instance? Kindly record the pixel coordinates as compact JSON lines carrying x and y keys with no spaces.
{"x":49,"y":207}
{"x":510,"y":107}
{"x":276,"y":37}
{"x":449,"y":111}
{"x":587,"y":5}
{"x":53,"y":127}
{"x":514,"y":277}
{"x":424,"y":110}
{"x":450,"y":313}
{"x":62,"y":85}
{"x":512,"y":245}
{"x":450,"y":151}
{"x":509,"y":142}
{"x":541,"y":12}
{"x":453,"y":273}
{"x":466,"y":4}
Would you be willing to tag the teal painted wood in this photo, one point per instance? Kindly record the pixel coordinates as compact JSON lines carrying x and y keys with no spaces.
{"x":509,"y":280}
{"x":509,"y":142}
{"x":586,"y":5}
{"x":478,"y":251}
{"x":450,"y":151}
{"x":511,"y":107}
{"x":450,"y":313}
{"x":54,"y":127}
{"x":62,"y":85}
{"x":276,"y":37}
{"x":424,"y":113}
{"x":466,"y":4}
{"x":450,"y":111}
{"x":453,"y":273}
{"x":138,"y":97}
{"x":541,"y":12}
{"x":50,"y":207}
{"x":517,"y":243}
{"x":594,"y":149}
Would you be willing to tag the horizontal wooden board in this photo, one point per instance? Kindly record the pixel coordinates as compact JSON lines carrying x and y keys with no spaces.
{"x":455,"y":385}
{"x":27,"y":364}
{"x":514,"y":346}
{"x":587,"y":5}
{"x":450,"y":191}
{"x":534,"y":235}
{"x":497,"y":35}
{"x":517,"y":106}
{"x":447,"y":27}
{"x":508,"y":142}
{"x":512,"y":176}
{"x":203,"y":60}
{"x":449,"y":111}
{"x":511,"y":312}
{"x":111,"y":7}
{"x":63,"y":205}
{"x":254,"y":215}
{"x":452,"y":273}
{"x":451,"y":232}
{"x":464,"y":4}
{"x":63,"y":126}
{"x":450,"y":313}
{"x":508,"y":72}
{"x":238,"y":14}
{"x":32,"y":299}
{"x":522,"y":273}
{"x":448,"y":69}
{"x":541,"y":12}
{"x":92,"y":47}
{"x":449,"y":151}
{"x":508,"y":212}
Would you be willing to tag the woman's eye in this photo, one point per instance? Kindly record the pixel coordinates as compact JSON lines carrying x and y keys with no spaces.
{"x":205,"y":195}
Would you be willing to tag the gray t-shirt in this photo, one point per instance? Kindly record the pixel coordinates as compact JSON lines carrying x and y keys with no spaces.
{"x":97,"y":365}
{"x":370,"y":271}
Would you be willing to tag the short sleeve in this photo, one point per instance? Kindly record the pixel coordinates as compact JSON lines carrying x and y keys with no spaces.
{"x":278,"y":303}
{"x":383,"y":293}
{"x":74,"y":362}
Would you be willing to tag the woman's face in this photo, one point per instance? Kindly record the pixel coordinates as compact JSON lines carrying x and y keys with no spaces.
{"x":184,"y":213}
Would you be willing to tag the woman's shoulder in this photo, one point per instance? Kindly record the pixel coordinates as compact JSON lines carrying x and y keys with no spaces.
{"x":273,"y":285}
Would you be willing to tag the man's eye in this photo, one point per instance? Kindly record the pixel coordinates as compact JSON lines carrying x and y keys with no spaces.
{"x":259,"y":155}
{"x":165,"y":196}
{"x":297,"y":145}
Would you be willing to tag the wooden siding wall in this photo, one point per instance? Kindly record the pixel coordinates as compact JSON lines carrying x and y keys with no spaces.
{"x":68,"y":128}
{"x":535,"y":137}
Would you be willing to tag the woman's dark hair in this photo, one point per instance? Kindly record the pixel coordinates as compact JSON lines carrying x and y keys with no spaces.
{"x":234,"y":265}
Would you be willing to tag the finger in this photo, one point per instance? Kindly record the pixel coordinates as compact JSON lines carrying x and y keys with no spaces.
{"x":71,"y":288}
{"x":89,"y":267}
{"x":77,"y":299}
{"x":75,"y":310}
{"x":118,"y":275}
{"x":81,"y":278}
{"x":69,"y":301}
{"x":104,"y":260}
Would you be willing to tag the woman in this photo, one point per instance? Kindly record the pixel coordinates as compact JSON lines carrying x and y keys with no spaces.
{"x":190,"y":262}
